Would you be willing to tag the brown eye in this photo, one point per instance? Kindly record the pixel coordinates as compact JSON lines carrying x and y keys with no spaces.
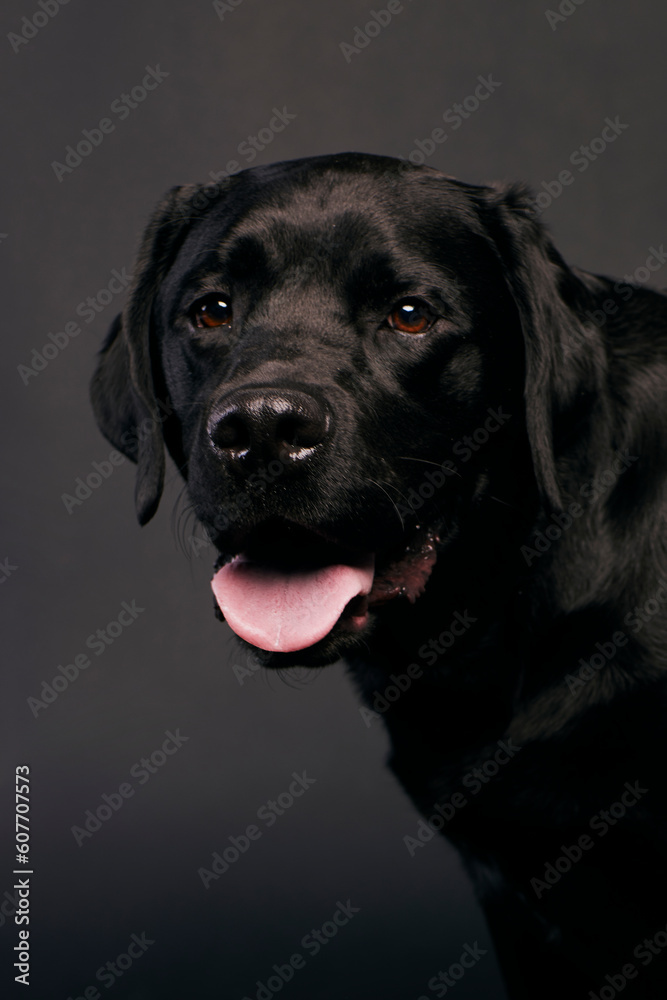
{"x":211,"y":311}
{"x":411,"y":316}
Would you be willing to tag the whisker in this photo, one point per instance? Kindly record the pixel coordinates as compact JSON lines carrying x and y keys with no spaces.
{"x":489,"y":496}
{"x":296,"y":681}
{"x":409,"y":458}
{"x":392,"y":487}
{"x":183,"y":517}
{"x":438,"y":465}
{"x":398,"y":513}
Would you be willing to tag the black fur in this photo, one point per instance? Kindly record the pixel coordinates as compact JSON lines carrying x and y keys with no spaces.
{"x":550,"y":521}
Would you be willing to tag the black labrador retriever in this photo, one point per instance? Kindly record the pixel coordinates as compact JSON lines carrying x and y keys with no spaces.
{"x":421,"y":442}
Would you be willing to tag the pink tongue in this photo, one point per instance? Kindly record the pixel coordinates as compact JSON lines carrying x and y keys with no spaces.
{"x":283,"y":611}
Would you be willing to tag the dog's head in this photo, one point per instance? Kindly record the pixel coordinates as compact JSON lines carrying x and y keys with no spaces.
{"x":345,"y":356}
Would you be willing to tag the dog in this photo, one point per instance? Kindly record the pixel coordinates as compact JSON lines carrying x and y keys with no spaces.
{"x":423,"y":443}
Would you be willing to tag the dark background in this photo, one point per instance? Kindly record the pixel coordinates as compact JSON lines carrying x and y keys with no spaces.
{"x":173,"y":667}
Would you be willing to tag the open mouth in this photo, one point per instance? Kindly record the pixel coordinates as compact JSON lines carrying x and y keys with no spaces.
{"x":288,"y":586}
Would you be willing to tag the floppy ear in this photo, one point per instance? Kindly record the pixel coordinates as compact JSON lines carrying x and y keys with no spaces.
{"x":564,"y":354}
{"x":122,"y":390}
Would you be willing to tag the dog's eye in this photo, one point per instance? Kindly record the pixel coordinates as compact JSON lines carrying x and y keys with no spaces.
{"x":411,"y":316}
{"x":211,"y":311}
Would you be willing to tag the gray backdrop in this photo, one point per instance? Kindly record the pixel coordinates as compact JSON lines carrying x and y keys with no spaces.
{"x":67,"y":233}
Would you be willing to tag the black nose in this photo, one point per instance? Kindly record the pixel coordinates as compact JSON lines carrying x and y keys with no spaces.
{"x":267,"y":423}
